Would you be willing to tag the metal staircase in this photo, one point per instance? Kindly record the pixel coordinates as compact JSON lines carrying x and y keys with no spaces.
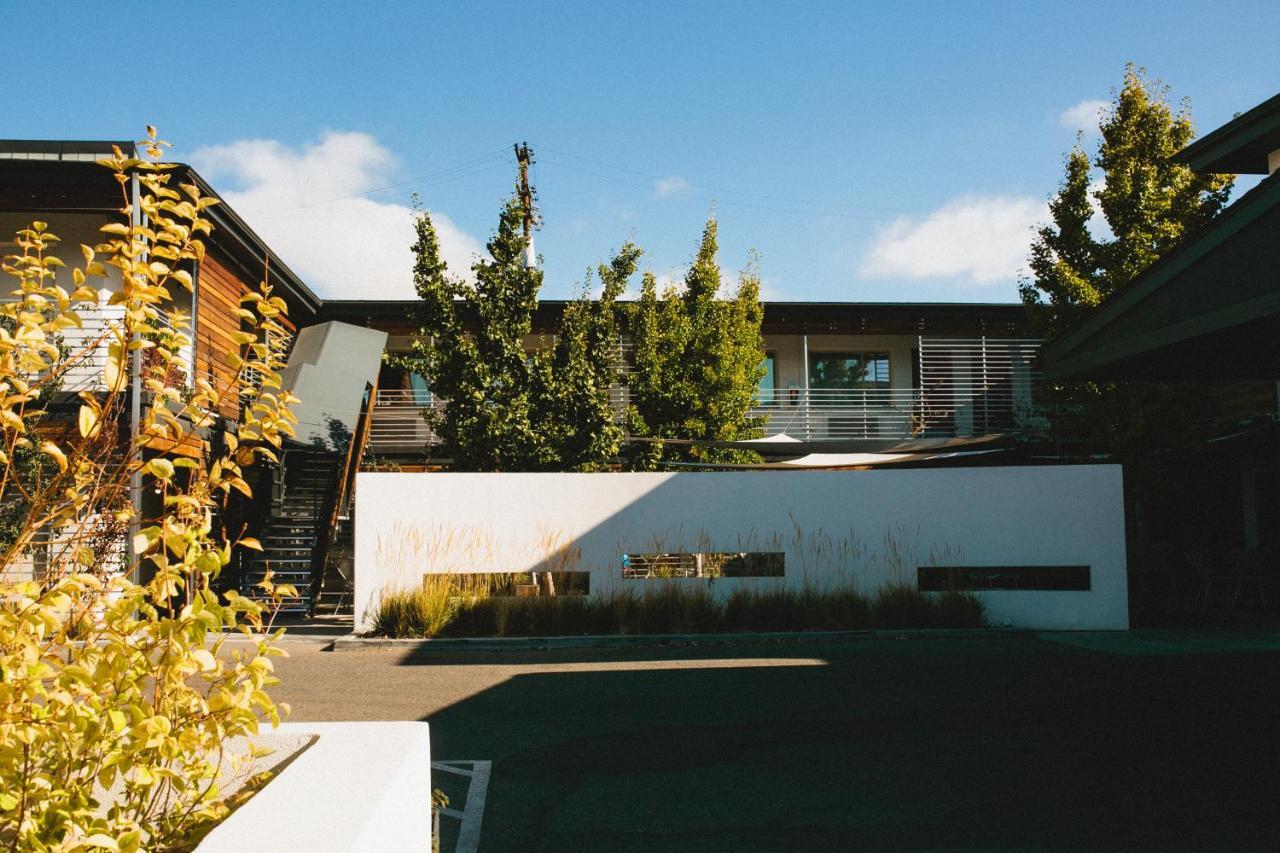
{"x":296,"y":523}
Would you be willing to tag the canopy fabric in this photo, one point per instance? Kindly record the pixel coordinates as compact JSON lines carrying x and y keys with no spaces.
{"x":783,"y":445}
{"x":833,"y":461}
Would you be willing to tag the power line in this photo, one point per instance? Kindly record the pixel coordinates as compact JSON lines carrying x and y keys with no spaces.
{"x":716,"y":189}
{"x":468,"y":169}
{"x":727,"y":203}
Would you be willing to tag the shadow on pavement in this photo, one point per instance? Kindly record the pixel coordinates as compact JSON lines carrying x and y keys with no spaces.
{"x":960,"y":745}
{"x":800,"y":650}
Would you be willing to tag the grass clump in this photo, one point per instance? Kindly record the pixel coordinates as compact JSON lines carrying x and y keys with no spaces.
{"x":899,"y":605}
{"x":441,"y":608}
{"x":419,"y":613}
{"x":959,"y":609}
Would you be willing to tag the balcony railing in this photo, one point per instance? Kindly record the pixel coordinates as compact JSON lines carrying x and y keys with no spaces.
{"x":399,"y":423}
{"x":967,"y":386}
{"x":889,"y":413}
{"x":840,"y":413}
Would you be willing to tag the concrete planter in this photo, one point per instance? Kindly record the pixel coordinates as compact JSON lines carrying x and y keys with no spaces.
{"x":360,"y":786}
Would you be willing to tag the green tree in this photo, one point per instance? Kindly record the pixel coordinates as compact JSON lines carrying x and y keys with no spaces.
{"x":1065,"y":256}
{"x":480,"y":367}
{"x":1149,"y":203}
{"x":573,"y":387}
{"x":698,"y":361}
{"x":512,"y":404}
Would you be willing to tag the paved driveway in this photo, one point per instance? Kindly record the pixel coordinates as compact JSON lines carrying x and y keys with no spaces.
{"x":886,"y":744}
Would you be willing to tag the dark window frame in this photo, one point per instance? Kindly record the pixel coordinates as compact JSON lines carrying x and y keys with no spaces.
{"x":1064,"y":578}
{"x":864,"y":357}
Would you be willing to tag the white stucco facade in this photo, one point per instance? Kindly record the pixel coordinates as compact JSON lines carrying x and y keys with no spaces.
{"x":868,"y":527}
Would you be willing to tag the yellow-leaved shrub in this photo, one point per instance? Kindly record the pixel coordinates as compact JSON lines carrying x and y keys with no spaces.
{"x":117,"y":694}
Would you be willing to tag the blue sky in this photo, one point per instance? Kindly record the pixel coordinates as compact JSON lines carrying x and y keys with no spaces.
{"x":870,"y":151}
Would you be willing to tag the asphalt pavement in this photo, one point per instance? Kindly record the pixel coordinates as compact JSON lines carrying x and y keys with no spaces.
{"x":1062,"y":743}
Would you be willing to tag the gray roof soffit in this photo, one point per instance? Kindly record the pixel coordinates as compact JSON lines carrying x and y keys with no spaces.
{"x":1070,"y":355}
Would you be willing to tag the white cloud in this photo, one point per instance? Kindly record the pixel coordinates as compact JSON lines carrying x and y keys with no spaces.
{"x":671,"y":277}
{"x":974,"y":239}
{"x":667,"y":187}
{"x":306,"y":204}
{"x":1085,"y":115}
{"x":1098,"y":226}
{"x":771,"y":292}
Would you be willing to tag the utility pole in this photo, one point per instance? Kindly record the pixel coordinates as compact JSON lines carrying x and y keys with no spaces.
{"x":526,"y":194}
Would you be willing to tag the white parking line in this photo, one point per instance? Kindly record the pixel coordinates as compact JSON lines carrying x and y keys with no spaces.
{"x":473,"y":810}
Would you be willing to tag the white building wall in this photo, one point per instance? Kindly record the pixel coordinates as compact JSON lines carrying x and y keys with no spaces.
{"x":74,"y":230}
{"x":832,"y":527}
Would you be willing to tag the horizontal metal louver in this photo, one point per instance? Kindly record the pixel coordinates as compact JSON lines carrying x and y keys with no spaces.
{"x":971,"y":386}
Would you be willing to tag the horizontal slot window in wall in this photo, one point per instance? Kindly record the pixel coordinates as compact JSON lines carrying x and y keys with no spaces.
{"x":511,"y":584}
{"x":704,"y":564}
{"x":1047,"y":578}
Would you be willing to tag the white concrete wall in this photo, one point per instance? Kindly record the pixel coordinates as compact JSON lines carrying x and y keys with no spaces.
{"x":362,"y":787}
{"x":832,"y":527}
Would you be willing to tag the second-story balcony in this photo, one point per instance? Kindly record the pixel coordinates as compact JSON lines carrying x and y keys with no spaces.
{"x":399,"y":421}
{"x":964,"y":387}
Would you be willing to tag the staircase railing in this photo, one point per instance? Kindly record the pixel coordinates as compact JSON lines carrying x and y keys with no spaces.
{"x":336,"y":498}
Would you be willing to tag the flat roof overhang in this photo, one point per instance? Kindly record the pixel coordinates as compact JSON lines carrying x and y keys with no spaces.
{"x":998,"y":319}
{"x":1208,"y":310}
{"x":44,"y":187}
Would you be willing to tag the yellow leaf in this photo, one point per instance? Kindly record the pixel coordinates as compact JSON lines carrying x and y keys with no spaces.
{"x":161,"y":469}
{"x":250,"y":542}
{"x":88,"y":422}
{"x":117,"y":719}
{"x":53,"y":450}
{"x":112,"y":374}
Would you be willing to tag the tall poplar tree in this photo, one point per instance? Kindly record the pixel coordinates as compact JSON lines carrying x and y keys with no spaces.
{"x":509,"y":406}
{"x":1065,"y":257}
{"x":576,"y":410}
{"x":477,"y":362}
{"x":698,"y":360}
{"x":1149,"y":203}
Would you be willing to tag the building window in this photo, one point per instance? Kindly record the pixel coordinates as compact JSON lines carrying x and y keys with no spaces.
{"x":766,"y":394}
{"x":1040,"y":578}
{"x":280,"y":343}
{"x":742,"y":564}
{"x":834,"y":372}
{"x":421,"y":391}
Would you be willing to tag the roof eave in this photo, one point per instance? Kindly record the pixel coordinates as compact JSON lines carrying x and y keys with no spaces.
{"x":1077,"y":353}
{"x":1239,"y":147}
